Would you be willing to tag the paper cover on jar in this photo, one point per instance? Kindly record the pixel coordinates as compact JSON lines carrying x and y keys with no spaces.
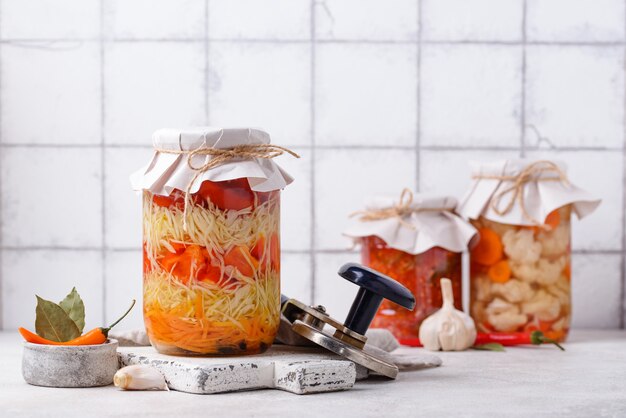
{"x":414,"y":224}
{"x":522,"y":192}
{"x":167,"y":172}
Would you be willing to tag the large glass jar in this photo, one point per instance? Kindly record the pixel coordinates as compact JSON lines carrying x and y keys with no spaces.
{"x":212,"y":286}
{"x":421,"y":274}
{"x":520,"y":276}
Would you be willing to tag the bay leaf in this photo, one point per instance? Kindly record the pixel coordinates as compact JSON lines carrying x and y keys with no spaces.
{"x":490,"y":347}
{"x":53,"y":323}
{"x":73,"y":305}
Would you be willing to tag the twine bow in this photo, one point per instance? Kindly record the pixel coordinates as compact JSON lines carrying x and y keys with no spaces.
{"x":221,"y":156}
{"x":400,"y":210}
{"x":532,"y":172}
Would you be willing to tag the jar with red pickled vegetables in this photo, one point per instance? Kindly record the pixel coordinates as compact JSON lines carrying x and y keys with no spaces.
{"x":520,"y":268}
{"x":416,"y":240}
{"x":211,"y":246}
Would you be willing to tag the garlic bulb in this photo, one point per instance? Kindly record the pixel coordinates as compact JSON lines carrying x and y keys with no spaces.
{"x":448,"y":329}
{"x":139,"y":377}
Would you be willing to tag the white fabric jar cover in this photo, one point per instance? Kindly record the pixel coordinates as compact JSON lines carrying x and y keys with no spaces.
{"x":543,"y":192}
{"x":431,"y":222}
{"x":167,"y":172}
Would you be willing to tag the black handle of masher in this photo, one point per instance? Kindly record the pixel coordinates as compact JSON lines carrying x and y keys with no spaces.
{"x":374,"y":286}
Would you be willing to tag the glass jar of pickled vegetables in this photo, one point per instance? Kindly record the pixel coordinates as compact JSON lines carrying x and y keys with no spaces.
{"x":416,"y":241}
{"x":520,"y":268}
{"x":211,"y":246}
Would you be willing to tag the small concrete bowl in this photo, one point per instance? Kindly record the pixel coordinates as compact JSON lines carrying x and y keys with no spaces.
{"x":70,"y":366}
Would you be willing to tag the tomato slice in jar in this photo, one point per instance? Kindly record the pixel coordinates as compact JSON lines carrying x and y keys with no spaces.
{"x":210,"y":273}
{"x":230,"y":194}
{"x":240,"y":258}
{"x":186,"y":263}
{"x":147,"y":265}
{"x":176,"y":199}
{"x":275,"y":252}
{"x":258,"y":251}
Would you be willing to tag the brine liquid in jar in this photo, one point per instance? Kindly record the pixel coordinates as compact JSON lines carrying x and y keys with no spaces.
{"x":520,"y":276}
{"x":214,"y":287}
{"x":421,"y":274}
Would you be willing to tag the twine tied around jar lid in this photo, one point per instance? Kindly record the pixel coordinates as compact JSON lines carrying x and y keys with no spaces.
{"x":532,"y":172}
{"x":400,"y":210}
{"x":221,"y":156}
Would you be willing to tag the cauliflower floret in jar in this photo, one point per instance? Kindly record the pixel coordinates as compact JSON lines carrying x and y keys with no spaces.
{"x":504,"y":316}
{"x":544,"y":272}
{"x":543,"y":306}
{"x":482,"y":288}
{"x":514,"y":290}
{"x":555,"y":242}
{"x":562,"y":294}
{"x":521,"y":247}
{"x":549,"y":272}
{"x":561,"y":324}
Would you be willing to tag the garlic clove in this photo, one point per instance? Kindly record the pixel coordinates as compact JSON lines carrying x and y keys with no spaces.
{"x":139,"y":377}
{"x":448,"y":329}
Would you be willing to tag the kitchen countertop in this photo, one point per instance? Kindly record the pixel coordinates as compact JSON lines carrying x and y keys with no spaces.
{"x":589,"y":379}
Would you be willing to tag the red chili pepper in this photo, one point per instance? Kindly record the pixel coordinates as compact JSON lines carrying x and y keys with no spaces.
{"x":504,"y":338}
{"x":515,"y":338}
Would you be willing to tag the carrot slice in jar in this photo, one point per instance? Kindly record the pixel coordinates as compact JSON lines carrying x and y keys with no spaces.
{"x":499,"y":272}
{"x":488,"y":250}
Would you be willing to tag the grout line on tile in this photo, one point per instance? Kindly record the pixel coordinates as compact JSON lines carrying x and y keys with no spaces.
{"x":102,"y":164}
{"x":622,"y":307}
{"x":341,"y":147}
{"x":523,"y":86}
{"x":43,"y":42}
{"x":581,"y":148}
{"x":418,"y":116}
{"x":1,"y":201}
{"x":206,"y":64}
{"x":313,"y":258}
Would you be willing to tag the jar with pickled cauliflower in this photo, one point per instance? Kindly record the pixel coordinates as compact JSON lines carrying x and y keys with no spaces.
{"x":211,"y":253}
{"x":520,"y":268}
{"x":520,"y":276}
{"x":416,"y":240}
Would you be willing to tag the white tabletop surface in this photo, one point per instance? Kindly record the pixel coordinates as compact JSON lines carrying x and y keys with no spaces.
{"x":588,"y":380}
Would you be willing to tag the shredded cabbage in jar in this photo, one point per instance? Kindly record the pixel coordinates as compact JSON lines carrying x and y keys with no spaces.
{"x":214,"y":288}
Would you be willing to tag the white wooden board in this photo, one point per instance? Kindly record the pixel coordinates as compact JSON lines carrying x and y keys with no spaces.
{"x":299,"y":370}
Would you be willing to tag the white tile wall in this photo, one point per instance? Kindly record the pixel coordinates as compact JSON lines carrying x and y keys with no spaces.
{"x":375,"y":96}
{"x":149,"y":84}
{"x":42,"y":19}
{"x":474,"y":20}
{"x":50,"y":94}
{"x":478,"y":84}
{"x":582,"y":106}
{"x":262,"y":84}
{"x":384,"y":112}
{"x":140,"y":19}
{"x":366,"y":20}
